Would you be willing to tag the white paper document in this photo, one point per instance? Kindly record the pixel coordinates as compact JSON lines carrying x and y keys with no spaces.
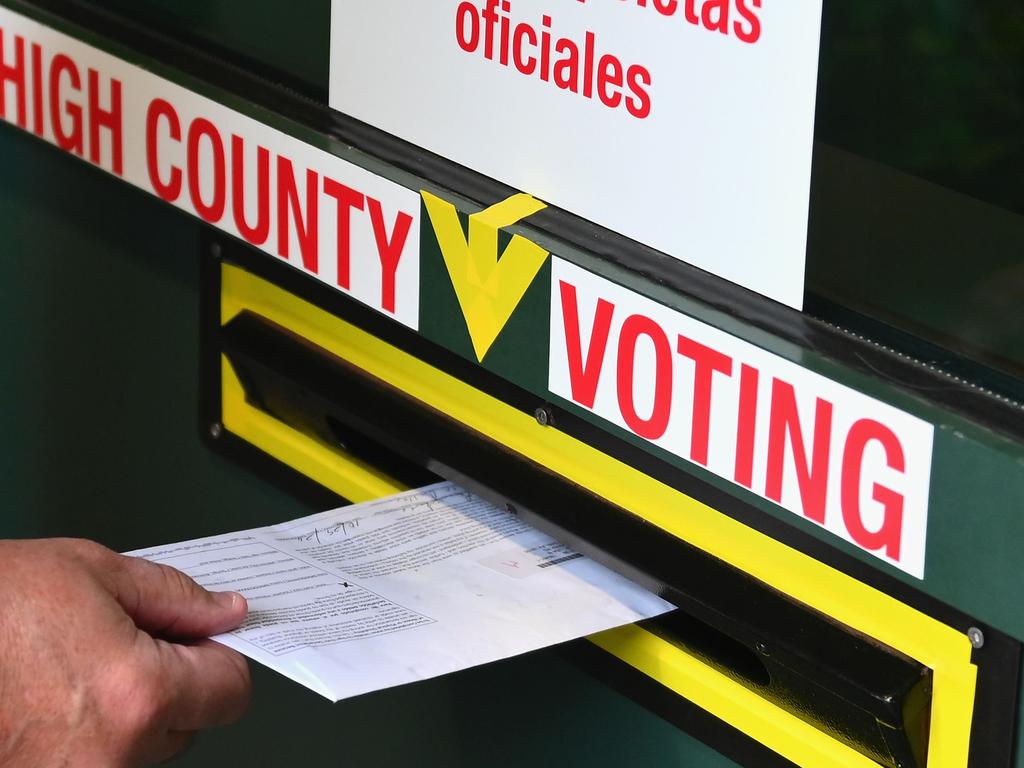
{"x":406,"y":588}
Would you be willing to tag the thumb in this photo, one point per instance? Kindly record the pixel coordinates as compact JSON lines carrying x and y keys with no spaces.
{"x":165,"y":602}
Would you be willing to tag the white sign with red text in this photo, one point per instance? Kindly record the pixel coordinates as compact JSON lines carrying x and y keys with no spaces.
{"x":347,"y":227}
{"x":684,"y":124}
{"x":856,"y":466}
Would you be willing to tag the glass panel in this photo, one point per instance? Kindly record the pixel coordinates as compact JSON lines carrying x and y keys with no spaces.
{"x":918,"y":190}
{"x":285,"y":41}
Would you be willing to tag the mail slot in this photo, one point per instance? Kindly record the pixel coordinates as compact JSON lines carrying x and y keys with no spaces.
{"x":864,"y":694}
{"x":332,"y":402}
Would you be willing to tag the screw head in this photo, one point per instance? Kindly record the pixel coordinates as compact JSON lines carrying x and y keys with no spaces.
{"x":216,"y":251}
{"x":977,"y":637}
{"x":216,"y":430}
{"x":544,"y":416}
{"x":762,"y":649}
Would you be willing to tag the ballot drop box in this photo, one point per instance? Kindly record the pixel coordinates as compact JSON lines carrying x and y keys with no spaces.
{"x":724,"y":295}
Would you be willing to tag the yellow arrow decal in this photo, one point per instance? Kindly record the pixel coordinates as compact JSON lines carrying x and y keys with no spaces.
{"x":488,"y":288}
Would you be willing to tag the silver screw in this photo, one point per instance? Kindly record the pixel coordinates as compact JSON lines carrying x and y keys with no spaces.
{"x":544,"y":416}
{"x":763,"y":649}
{"x":216,"y":251}
{"x":977,"y":637}
{"x":216,"y":430}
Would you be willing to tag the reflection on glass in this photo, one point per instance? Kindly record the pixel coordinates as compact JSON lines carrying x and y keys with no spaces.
{"x":917,"y":216}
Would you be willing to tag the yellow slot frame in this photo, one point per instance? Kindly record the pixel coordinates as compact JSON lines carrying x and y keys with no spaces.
{"x":946,"y":651}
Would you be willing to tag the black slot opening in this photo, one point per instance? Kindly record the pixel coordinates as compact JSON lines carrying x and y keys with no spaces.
{"x":269,"y":389}
{"x":725,"y":653}
{"x":357,"y":444}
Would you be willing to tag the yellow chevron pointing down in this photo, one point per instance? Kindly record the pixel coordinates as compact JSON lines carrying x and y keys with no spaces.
{"x":488,"y":288}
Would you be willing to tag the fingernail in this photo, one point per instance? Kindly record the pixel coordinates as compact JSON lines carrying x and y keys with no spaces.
{"x":229,"y":601}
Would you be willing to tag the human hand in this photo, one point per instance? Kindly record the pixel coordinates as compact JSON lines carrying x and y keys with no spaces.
{"x":102,"y":658}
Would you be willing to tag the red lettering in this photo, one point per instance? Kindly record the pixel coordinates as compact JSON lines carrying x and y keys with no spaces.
{"x":691,"y":12}
{"x":566,"y":73}
{"x":584,"y":377}
{"x":69,"y":141}
{"x":213,"y":211}
{"x":545,"y":48}
{"x":106,"y":118}
{"x":14,"y":74}
{"x":257,"y":235}
{"x":888,"y":536}
{"x":812,"y":476}
{"x":527,"y":65}
{"x":170,"y":190}
{"x":37,"y":89}
{"x":609,"y":73}
{"x":716,"y":22}
{"x":589,"y":54}
{"x":348,"y":199}
{"x":707,"y":363}
{"x":490,"y":17}
{"x":750,"y":31}
{"x":638,"y":80}
{"x":469,"y":39}
{"x":574,"y":64}
{"x":308,"y":228}
{"x":389,"y":249}
{"x":746,"y":427}
{"x":506,"y":26}
{"x":636,"y":326}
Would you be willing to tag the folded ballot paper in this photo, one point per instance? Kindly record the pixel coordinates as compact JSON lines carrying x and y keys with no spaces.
{"x":402,"y":589}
